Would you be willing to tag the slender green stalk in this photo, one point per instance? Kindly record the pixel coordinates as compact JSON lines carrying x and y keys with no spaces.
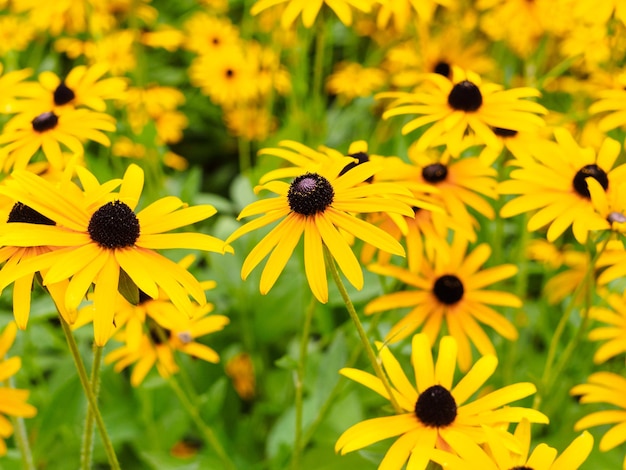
{"x":87,"y":444}
{"x":21,"y":437}
{"x":317,"y":91}
{"x":207,"y":432}
{"x":93,"y":403}
{"x":359,"y":327}
{"x":300,"y":372}
{"x":547,"y":379}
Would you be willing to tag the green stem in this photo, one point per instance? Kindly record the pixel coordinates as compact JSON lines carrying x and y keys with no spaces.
{"x":317,"y":91}
{"x":87,"y":445}
{"x":93,"y":403}
{"x":21,"y":437}
{"x":207,"y":432}
{"x":300,"y":372}
{"x":547,"y":379}
{"x":359,"y":327}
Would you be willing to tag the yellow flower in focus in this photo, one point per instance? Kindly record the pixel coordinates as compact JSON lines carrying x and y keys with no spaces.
{"x":316,"y":206}
{"x":500,"y":457}
{"x":450,"y":287}
{"x":453,"y":108}
{"x":555,"y":184}
{"x":98,"y":234}
{"x":436,"y":414}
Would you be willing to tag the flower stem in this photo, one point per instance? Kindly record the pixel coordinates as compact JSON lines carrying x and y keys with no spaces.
{"x":93,"y":403}
{"x":359,"y":327}
{"x":87,"y":444}
{"x":207,"y":432}
{"x":21,"y":437}
{"x":300,"y":372}
{"x":547,"y":379}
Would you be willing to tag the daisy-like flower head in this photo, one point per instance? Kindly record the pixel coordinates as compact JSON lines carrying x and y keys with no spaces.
{"x":98,"y":234}
{"x":28,"y":132}
{"x":317,"y":204}
{"x":23,"y":286}
{"x":453,"y":108}
{"x":613,"y":330}
{"x":609,"y":388}
{"x":13,"y":400}
{"x":457,"y":184}
{"x":310,"y":9}
{"x":227,"y":77}
{"x":437,"y":414}
{"x":168,"y":332}
{"x":351,"y":80}
{"x":556,"y":183}
{"x":450,"y":287}
{"x":500,"y":456}
{"x":83,"y":86}
{"x":208,"y":34}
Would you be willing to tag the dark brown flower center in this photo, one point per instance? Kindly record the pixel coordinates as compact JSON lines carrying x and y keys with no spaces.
{"x":593,"y":171}
{"x":361,"y":157}
{"x":435,"y":173}
{"x":45,"y":121}
{"x":309,"y":194}
{"x":465,"y":96}
{"x":436,"y":407}
{"x":524,"y":467}
{"x":114,"y":225}
{"x":63,"y":94}
{"x":502,"y":132}
{"x":443,"y":68}
{"x":448,"y":289}
{"x":25,"y":214}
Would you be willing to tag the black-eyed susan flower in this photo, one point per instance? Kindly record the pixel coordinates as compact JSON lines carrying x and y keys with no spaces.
{"x":98,"y":234}
{"x":454,"y":107}
{"x":609,"y":388}
{"x":83,"y":86}
{"x":315,"y":205}
{"x":23,"y":286}
{"x":227,"y":77}
{"x":208,"y":34}
{"x":310,"y":9}
{"x":12,"y":400}
{"x":456,"y":184}
{"x":501,"y":457}
{"x":437,"y":415}
{"x":611,"y":330}
{"x":28,"y":132}
{"x":168,"y":332}
{"x":450,"y":287}
{"x":351,"y":80}
{"x":554,"y":184}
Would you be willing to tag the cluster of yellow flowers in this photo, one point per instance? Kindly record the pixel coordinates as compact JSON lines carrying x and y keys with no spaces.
{"x":470,"y":154}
